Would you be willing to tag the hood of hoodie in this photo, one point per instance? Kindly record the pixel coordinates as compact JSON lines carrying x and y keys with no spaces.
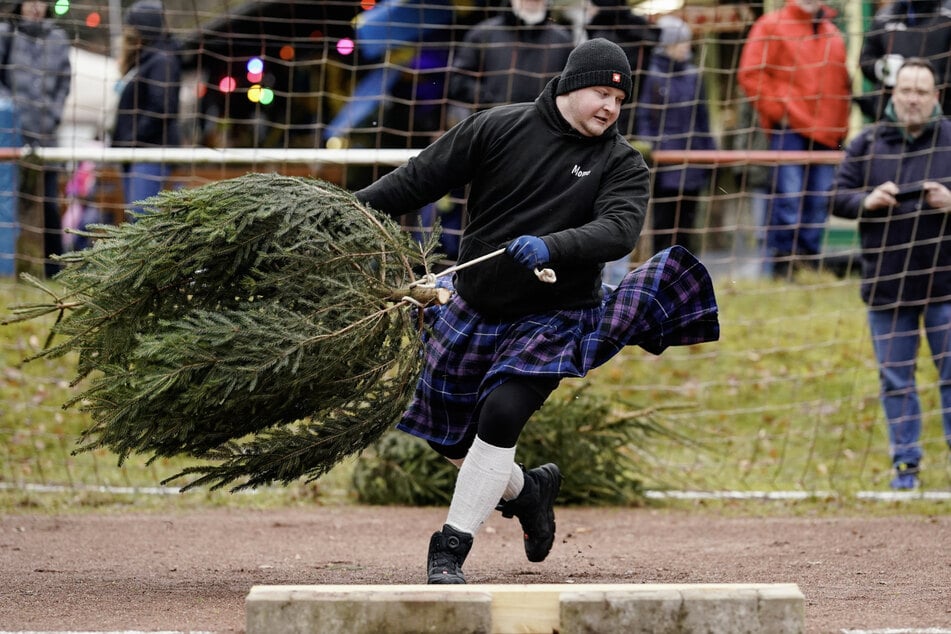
{"x":35,"y":29}
{"x":664,"y":63}
{"x":147,"y":17}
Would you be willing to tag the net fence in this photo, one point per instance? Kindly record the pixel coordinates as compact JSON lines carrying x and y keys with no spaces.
{"x":347,"y":90}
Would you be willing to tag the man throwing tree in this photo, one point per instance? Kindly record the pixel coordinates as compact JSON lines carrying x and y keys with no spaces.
{"x":554,"y":184}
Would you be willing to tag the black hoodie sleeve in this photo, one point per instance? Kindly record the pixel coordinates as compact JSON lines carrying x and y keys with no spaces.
{"x":444,"y":165}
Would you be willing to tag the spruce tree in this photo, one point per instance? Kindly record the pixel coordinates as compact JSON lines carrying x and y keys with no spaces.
{"x":256,"y":323}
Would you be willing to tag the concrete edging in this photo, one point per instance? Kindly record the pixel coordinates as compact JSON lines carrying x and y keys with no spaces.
{"x":527,"y":609}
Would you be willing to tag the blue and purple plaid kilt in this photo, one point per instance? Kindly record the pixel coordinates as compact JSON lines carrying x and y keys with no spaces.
{"x":668,"y":301}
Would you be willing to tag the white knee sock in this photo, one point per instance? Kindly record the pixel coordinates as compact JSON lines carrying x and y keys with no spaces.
{"x":516,"y":483}
{"x":516,"y":480}
{"x":482,"y":480}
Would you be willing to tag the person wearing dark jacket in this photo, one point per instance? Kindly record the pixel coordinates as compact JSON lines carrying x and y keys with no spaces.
{"x":672,"y":115}
{"x":551,"y":183}
{"x":148,"y":110}
{"x":902,"y":29}
{"x":894,"y":179}
{"x":507,"y":58}
{"x":36,"y":75}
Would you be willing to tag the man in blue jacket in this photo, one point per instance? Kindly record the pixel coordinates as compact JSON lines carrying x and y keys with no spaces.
{"x":553,"y":183}
{"x":894,"y":180}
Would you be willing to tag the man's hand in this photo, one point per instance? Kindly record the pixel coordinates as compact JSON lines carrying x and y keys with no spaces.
{"x":937,"y":195}
{"x":881,"y":197}
{"x":529,"y":251}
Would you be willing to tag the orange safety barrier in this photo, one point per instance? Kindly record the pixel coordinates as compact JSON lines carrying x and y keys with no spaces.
{"x":744,"y":157}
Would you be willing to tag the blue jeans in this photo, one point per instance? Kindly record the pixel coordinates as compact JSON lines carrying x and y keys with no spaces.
{"x":800,"y":206}
{"x":143,"y":180}
{"x":759,"y":208}
{"x":895,"y":337}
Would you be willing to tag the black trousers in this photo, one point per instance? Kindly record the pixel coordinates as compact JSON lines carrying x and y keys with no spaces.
{"x":503,"y":414}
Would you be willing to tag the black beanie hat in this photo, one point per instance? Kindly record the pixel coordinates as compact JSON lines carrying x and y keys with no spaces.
{"x":597,"y":62}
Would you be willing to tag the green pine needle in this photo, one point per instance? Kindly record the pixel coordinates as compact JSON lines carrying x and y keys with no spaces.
{"x":241,"y":322}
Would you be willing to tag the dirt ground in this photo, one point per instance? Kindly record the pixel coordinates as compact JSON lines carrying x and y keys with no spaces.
{"x":191,"y":570}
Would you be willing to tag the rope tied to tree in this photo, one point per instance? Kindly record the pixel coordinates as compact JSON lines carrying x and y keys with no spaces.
{"x":430,"y":279}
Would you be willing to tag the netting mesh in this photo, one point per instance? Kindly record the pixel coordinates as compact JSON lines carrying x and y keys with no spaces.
{"x":788,"y":399}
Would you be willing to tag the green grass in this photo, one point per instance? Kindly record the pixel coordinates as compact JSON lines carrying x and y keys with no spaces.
{"x":787,"y":399}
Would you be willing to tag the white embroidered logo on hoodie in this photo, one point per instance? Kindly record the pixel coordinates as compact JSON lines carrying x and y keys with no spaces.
{"x":577,"y":171}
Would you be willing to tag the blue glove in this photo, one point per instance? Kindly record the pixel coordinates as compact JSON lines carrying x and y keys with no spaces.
{"x":529,"y":251}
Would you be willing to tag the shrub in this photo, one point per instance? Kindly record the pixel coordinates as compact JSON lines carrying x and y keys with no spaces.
{"x":602,"y":450}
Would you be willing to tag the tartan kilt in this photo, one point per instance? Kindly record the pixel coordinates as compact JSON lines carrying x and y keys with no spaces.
{"x":667,"y":301}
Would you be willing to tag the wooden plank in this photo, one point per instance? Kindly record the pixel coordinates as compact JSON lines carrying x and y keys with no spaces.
{"x":536,"y":608}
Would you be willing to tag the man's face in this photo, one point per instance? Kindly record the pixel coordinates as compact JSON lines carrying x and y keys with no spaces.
{"x":33,"y":11}
{"x":530,"y":11}
{"x":592,"y":110}
{"x":914,"y":96}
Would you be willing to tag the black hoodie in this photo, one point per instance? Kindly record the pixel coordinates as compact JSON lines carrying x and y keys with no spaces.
{"x":529,"y":172}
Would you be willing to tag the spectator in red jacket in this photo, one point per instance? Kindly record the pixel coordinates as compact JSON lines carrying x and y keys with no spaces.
{"x":794,"y":69}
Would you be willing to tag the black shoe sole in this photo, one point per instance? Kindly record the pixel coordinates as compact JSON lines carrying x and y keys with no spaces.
{"x":535,"y":551}
{"x":435,"y":580}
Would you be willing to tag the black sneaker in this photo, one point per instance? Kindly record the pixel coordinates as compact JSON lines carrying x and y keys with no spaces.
{"x":448,"y":549}
{"x":535,"y":509}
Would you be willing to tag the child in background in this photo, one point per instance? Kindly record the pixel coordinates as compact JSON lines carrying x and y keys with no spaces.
{"x":147,"y":114}
{"x":672,"y":115}
{"x":80,"y":210}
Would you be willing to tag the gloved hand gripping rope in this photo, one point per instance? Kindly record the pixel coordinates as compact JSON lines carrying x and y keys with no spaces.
{"x":429,"y":280}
